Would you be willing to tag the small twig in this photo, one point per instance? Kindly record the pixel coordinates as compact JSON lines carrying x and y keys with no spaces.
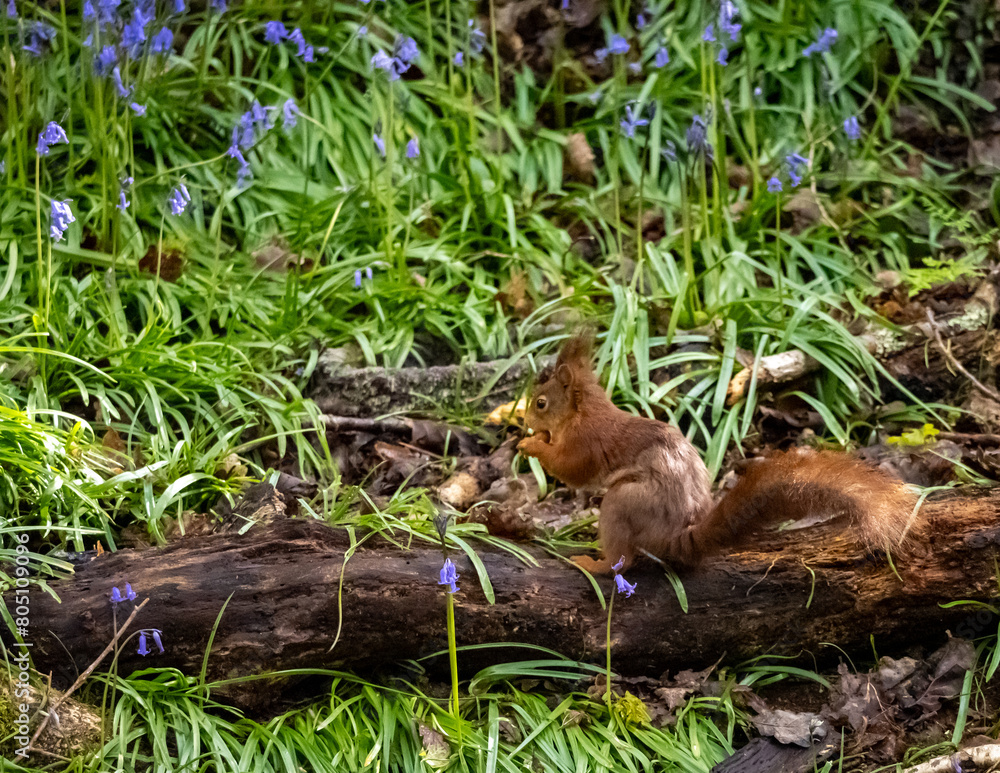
{"x":970,"y":437}
{"x":359,"y":424}
{"x":87,"y":672}
{"x":990,"y":393}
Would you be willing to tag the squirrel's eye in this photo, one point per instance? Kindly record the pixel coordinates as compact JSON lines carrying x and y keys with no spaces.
{"x":540,"y":403}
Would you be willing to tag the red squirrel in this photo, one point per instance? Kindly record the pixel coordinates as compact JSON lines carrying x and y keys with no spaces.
{"x":658,"y":500}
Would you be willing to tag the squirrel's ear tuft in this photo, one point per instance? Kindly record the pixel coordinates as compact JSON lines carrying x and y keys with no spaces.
{"x":577,"y":350}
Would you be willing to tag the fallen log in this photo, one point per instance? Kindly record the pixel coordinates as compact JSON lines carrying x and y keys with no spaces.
{"x":807,"y":590}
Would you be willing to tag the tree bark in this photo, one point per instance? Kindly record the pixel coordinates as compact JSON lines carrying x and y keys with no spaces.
{"x":807,"y":590}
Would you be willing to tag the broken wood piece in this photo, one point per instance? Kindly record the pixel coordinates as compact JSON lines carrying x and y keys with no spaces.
{"x":984,"y":758}
{"x":795,"y":592}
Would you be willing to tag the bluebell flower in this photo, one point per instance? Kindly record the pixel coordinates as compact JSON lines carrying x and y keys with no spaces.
{"x":758,"y":91}
{"x":107,"y":11}
{"x":459,"y":59}
{"x":275,"y":32}
{"x":697,"y":137}
{"x":289,"y":114}
{"x":595,"y":97}
{"x":40,"y":37}
{"x":379,"y":144}
{"x":116,"y":595}
{"x":52,"y":134}
{"x":163,"y":41}
{"x":134,"y":33}
{"x":727,"y":20}
{"x":368,"y":276}
{"x":62,"y":216}
{"x":243,"y":173}
{"x":852,"y":128}
{"x":669,"y":151}
{"x":139,"y":110}
{"x":642,"y":18}
{"x":304,"y":49}
{"x":180,"y":6}
{"x":219,"y":6}
{"x":632,"y":121}
{"x":449,"y":576}
{"x":179,"y":199}
{"x":261,"y":116}
{"x":362,"y":31}
{"x":12,"y":9}
{"x":382,"y":61}
{"x":477,"y":38}
{"x":601,"y":54}
{"x":624,"y":586}
{"x":618,"y":45}
{"x":635,"y":67}
{"x":155,"y":633}
{"x":413,"y":148}
{"x":774,"y":185}
{"x":723,"y":57}
{"x":3,"y":166}
{"x":795,"y":163}
{"x":406,"y":51}
{"x":662,"y":58}
{"x":565,"y":5}
{"x":116,"y":76}
{"x":709,"y":34}
{"x":105,"y":60}
{"x":357,"y":279}
{"x":123,"y":204}
{"x":130,"y":594}
{"x":88,"y":10}
{"x":823,"y":43}
{"x":88,"y":42}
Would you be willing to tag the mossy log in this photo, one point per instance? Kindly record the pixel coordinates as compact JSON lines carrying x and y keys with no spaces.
{"x":799,"y":591}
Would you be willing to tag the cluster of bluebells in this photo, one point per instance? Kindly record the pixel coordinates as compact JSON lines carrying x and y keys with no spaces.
{"x":275,"y":32}
{"x":52,"y":134}
{"x":179,"y":199}
{"x":449,"y":576}
{"x":624,"y":586}
{"x":146,"y":632}
{"x":253,"y":125}
{"x":477,"y":41}
{"x":117,"y":597}
{"x":62,"y":216}
{"x":726,"y":26}
{"x":404,"y":53}
{"x":796,"y":164}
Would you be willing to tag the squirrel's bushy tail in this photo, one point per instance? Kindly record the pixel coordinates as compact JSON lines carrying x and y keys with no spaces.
{"x":799,"y":484}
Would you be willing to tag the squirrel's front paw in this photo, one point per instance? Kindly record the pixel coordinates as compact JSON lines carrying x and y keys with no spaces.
{"x":592,"y":565}
{"x":532,"y":445}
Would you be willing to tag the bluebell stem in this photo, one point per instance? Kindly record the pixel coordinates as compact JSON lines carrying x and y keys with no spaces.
{"x":275,"y":32}
{"x":40,"y":37}
{"x":179,"y":199}
{"x":774,"y":185}
{"x":459,"y":59}
{"x":632,"y":121}
{"x":823,"y":43}
{"x":105,"y":60}
{"x":662,"y":58}
{"x":449,"y":576}
{"x":413,"y":148}
{"x":852,"y":128}
{"x":289,"y":114}
{"x":379,"y":144}
{"x":52,"y":134}
{"x":163,"y":41}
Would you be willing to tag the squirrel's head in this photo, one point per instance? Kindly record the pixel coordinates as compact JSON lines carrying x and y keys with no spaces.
{"x":558,"y":389}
